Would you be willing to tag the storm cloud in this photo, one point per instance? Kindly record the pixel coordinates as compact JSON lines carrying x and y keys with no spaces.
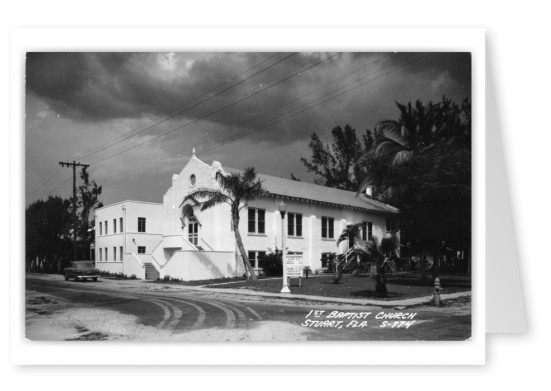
{"x":123,"y":110}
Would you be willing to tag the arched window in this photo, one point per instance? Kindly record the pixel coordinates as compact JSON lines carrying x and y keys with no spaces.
{"x":192,"y":180}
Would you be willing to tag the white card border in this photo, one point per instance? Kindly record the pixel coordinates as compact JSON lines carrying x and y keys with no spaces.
{"x":24,"y":352}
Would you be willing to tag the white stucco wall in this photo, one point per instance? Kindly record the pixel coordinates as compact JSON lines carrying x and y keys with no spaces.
{"x":215,"y":231}
{"x":215,"y":228}
{"x":133,"y":266}
{"x":311,"y":244}
{"x":130,"y":239}
{"x":110,"y":267}
{"x":202,"y":265}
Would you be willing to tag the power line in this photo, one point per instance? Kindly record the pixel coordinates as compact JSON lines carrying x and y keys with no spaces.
{"x":181,"y":111}
{"x":315,"y":105}
{"x":265,"y":124}
{"x":216,"y":111}
{"x":292,"y":74}
{"x":43,"y":183}
{"x":152,"y":123}
{"x":275,"y":120}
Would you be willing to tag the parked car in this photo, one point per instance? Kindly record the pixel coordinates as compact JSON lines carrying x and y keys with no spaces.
{"x":81,"y":270}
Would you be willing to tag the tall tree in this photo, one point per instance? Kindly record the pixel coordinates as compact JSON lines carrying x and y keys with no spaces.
{"x":413,"y":133}
{"x":87,"y":199}
{"x":339,"y":164}
{"x":421,"y":163}
{"x":235,"y":190}
{"x":47,"y":234}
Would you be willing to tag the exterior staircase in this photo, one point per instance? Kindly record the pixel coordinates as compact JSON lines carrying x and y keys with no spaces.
{"x":151,"y":272}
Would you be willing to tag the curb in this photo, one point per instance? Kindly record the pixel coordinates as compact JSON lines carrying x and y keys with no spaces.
{"x":337,"y":300}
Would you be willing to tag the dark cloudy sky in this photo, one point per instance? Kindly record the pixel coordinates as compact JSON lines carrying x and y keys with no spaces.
{"x":135,"y":117}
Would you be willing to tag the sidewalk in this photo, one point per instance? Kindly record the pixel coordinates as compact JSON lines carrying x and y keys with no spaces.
{"x":291,"y":296}
{"x":324,"y":299}
{"x":283,"y":296}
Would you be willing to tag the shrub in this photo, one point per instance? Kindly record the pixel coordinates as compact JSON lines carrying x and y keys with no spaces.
{"x":272,"y":266}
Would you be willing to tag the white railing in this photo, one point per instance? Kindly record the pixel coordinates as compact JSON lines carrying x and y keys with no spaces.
{"x":137,"y":259}
{"x":206,"y":244}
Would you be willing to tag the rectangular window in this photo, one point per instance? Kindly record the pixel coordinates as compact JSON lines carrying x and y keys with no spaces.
{"x":120,"y":225}
{"x":100,"y":228}
{"x":193,"y":231}
{"x":257,"y":221}
{"x":256,"y":257}
{"x":114,"y":253}
{"x":291,"y":224}
{"x":327,"y":227}
{"x":261,"y":221}
{"x":252,"y":257}
{"x":294,"y":224}
{"x":369,"y":230}
{"x":388,"y":225}
{"x":106,"y":255}
{"x":141,"y":224}
{"x":114,"y":226}
{"x":252,"y":220}
{"x":121,"y":257}
{"x":141,"y":249}
{"x":100,"y":254}
{"x":106,"y":228}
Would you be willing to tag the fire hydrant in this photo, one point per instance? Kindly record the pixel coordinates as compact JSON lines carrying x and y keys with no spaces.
{"x":437,"y":290}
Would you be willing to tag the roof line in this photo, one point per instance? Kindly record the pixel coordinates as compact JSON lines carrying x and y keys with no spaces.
{"x":336,"y":204}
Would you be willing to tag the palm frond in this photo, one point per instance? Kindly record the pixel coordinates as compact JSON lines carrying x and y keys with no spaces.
{"x":216,"y":200}
{"x":363,"y":185}
{"x":351,"y":230}
{"x":395,"y":134}
{"x":387,"y":148}
{"x":402,"y":157}
{"x":202,"y":192}
{"x":207,"y":198}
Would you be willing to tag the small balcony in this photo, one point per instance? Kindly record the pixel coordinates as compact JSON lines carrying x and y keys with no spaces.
{"x":173,"y":241}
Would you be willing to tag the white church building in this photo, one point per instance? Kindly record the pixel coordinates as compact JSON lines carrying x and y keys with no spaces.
{"x":151,"y":240}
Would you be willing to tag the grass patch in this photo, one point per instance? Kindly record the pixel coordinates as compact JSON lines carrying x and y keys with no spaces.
{"x":116,"y":276}
{"x":403,"y":286}
{"x":172,"y":281}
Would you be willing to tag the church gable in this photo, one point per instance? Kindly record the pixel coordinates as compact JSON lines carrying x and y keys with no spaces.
{"x":194,"y":175}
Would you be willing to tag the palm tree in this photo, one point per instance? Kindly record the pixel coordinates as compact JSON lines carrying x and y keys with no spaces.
{"x":399,"y":142}
{"x":341,"y":261}
{"x":234,"y":190}
{"x":376,"y":251}
{"x":413,"y":133}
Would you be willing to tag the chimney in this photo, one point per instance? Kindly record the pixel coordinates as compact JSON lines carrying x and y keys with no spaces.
{"x":369,"y":191}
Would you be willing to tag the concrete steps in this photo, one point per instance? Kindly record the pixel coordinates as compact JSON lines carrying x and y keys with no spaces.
{"x":151,"y":272}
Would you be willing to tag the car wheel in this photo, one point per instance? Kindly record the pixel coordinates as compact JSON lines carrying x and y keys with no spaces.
{"x":75,"y":278}
{"x":94,"y":279}
{"x":66,"y":277}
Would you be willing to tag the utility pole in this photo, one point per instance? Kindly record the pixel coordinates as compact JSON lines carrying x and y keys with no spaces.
{"x":74,"y":165}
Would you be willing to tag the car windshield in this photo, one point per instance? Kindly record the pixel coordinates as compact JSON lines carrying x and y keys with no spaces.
{"x":83,"y":265}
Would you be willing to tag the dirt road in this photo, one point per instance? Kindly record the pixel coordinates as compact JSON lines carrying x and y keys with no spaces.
{"x":137,"y":310}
